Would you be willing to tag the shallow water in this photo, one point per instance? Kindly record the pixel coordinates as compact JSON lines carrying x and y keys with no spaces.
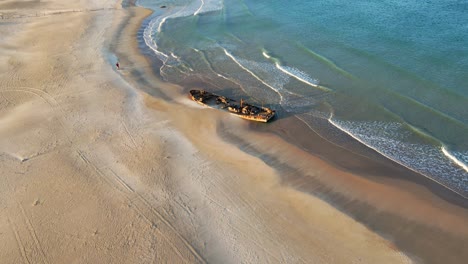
{"x":392,"y":74}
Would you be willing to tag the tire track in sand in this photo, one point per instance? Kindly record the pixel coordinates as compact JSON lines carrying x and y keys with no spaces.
{"x":143,"y":207}
{"x":32,"y":233}
{"x":19,"y":242}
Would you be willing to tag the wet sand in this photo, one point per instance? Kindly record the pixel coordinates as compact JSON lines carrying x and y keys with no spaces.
{"x":100,"y":165}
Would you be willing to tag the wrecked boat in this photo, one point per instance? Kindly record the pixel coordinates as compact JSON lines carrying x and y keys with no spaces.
{"x":240,"y":109}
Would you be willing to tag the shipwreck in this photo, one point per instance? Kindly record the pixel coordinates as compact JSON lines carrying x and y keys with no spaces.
{"x":240,"y":109}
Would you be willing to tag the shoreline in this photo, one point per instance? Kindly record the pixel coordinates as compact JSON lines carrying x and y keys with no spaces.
{"x":380,"y":171}
{"x":360,"y":152}
{"x":101,"y":165}
{"x":154,"y":102}
{"x":355,"y":150}
{"x":381,"y":167}
{"x":177,"y":95}
{"x":417,"y":165}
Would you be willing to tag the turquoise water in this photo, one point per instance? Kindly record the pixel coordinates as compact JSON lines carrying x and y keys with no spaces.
{"x":392,"y":74}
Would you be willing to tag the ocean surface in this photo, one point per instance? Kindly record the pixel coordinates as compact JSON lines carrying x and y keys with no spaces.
{"x":392,"y":74}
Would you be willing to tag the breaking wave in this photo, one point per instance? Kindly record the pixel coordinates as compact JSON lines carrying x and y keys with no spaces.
{"x":252,"y":74}
{"x":424,"y":159}
{"x":156,"y":22}
{"x":454,"y":159}
{"x":295,"y":73}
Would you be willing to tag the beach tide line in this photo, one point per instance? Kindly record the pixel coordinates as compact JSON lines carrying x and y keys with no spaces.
{"x":330,"y":119}
{"x":150,"y":42}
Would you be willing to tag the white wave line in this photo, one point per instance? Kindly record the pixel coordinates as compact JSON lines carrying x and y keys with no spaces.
{"x":294,"y":76}
{"x":151,"y":42}
{"x":169,"y":16}
{"x":279,"y":67}
{"x":161,"y":23}
{"x":147,"y":39}
{"x":224,"y":77}
{"x":266,"y":55}
{"x":219,"y":74}
{"x":389,"y":157}
{"x":253,"y":74}
{"x":200,"y":8}
{"x":301,"y":79}
{"x":454,"y":159}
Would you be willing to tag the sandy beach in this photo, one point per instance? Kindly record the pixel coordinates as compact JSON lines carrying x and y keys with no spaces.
{"x":100,"y":165}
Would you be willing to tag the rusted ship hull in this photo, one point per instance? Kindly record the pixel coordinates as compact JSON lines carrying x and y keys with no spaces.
{"x":240,"y":109}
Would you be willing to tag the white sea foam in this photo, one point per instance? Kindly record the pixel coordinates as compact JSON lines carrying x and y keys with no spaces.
{"x":151,"y":32}
{"x":215,"y":72}
{"x":200,"y":8}
{"x":161,"y":23}
{"x":266,"y":55}
{"x":299,"y":75}
{"x":156,"y":24}
{"x":427,"y":160}
{"x":222,"y":76}
{"x":461,"y":156}
{"x":209,"y":6}
{"x":275,"y":79}
{"x":268,"y":73}
{"x":253,"y":74}
{"x":454,"y":159}
{"x":150,"y":35}
{"x":150,"y":42}
{"x":296,"y":74}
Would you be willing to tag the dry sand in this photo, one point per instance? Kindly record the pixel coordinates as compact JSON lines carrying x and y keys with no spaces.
{"x":106,"y":166}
